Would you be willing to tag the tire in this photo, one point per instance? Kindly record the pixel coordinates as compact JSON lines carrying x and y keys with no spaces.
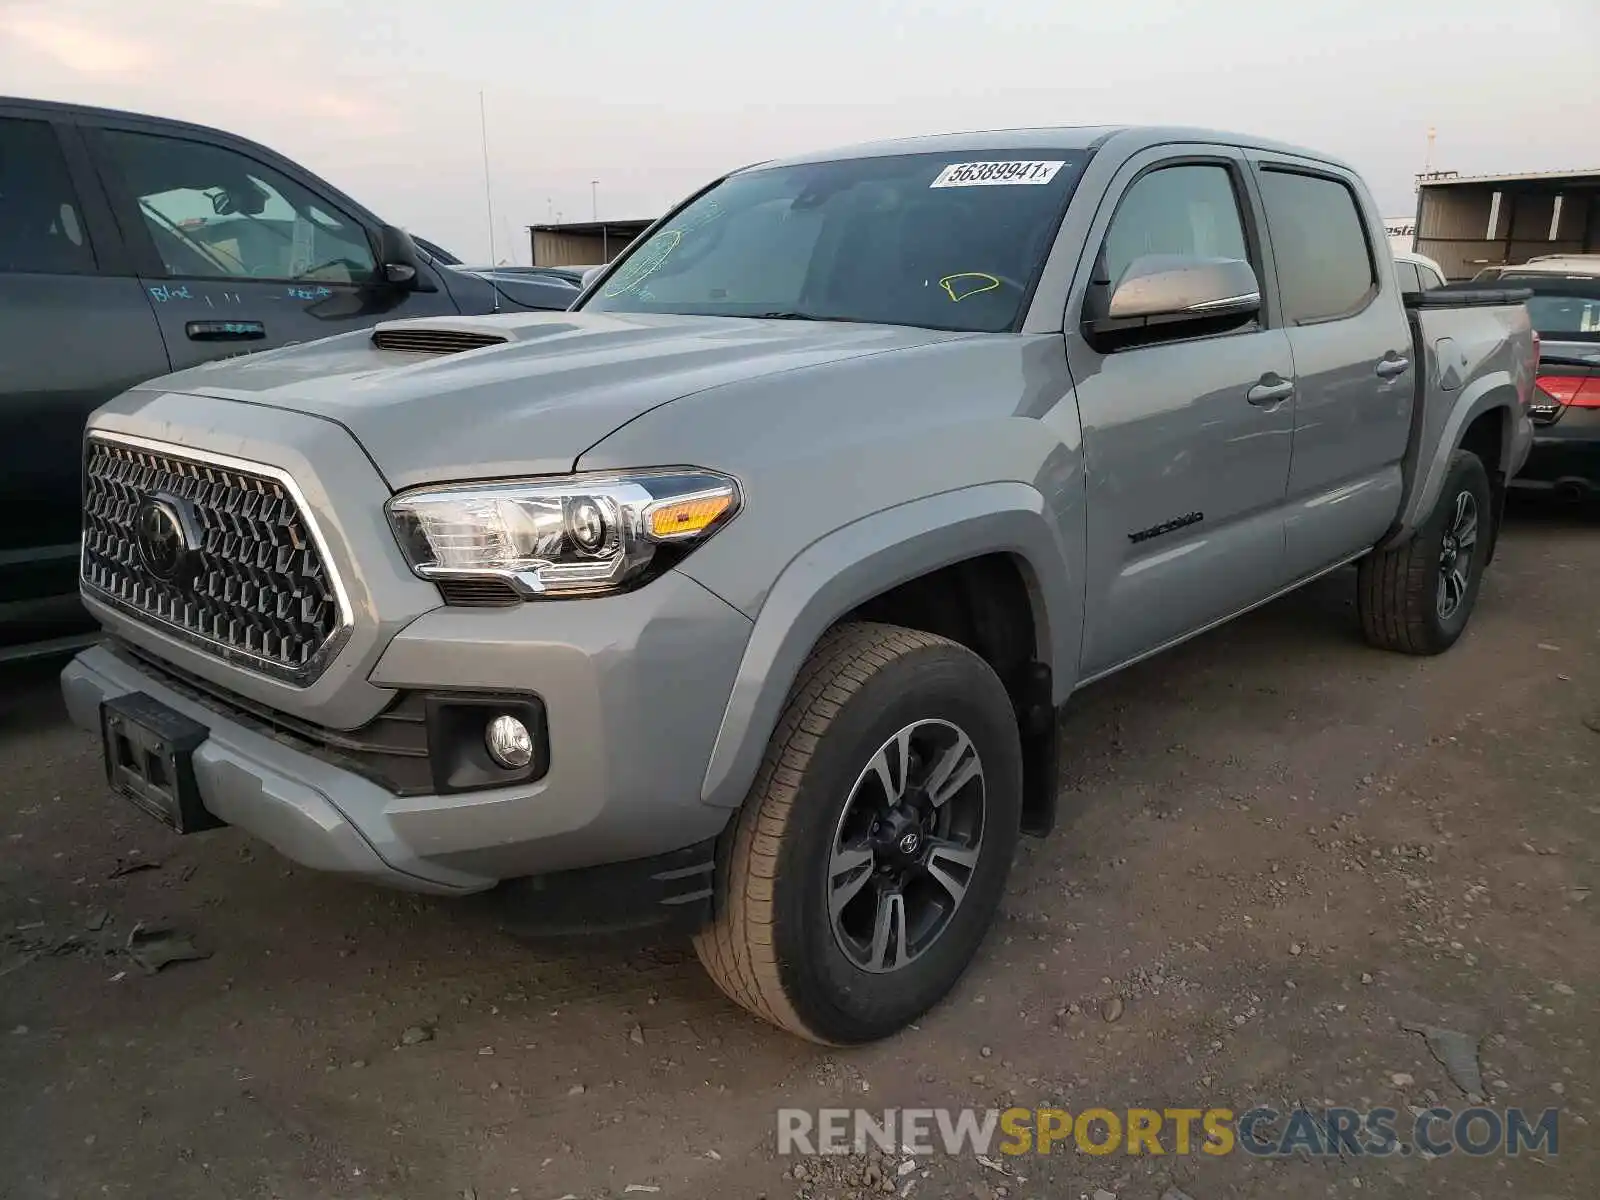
{"x":1399,"y":590}
{"x":774,"y":945}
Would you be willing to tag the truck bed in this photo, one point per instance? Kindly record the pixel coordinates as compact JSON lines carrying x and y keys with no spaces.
{"x":1468,"y":344}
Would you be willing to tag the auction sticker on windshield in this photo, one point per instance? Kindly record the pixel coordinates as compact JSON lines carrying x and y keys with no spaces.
{"x":994,"y":174}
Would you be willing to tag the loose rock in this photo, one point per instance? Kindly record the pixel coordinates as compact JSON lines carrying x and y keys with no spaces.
{"x":415,"y":1035}
{"x":1456,"y":1052}
{"x":1112,"y":1010}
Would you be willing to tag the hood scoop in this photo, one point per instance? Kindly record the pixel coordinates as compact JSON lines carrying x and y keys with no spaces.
{"x":410,"y":338}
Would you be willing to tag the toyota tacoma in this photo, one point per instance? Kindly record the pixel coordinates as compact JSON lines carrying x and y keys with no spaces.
{"x":743,"y":596}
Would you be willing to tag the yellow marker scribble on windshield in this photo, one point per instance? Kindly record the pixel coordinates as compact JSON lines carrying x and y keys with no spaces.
{"x":645,"y":263}
{"x":967,"y":283}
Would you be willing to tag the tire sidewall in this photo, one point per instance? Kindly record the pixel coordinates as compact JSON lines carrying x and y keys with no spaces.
{"x":838,"y":1000}
{"x":1466,"y":474}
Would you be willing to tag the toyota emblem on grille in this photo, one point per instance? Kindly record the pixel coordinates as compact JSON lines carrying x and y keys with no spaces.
{"x":162,"y":539}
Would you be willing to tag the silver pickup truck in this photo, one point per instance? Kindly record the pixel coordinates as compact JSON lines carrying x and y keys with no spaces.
{"x":743,"y":596}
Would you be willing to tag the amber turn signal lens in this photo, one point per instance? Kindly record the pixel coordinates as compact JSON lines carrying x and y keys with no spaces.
{"x":679,"y":518}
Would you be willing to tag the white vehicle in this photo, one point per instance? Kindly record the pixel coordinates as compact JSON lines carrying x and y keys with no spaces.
{"x":1578,"y":265}
{"x":1418,"y":272}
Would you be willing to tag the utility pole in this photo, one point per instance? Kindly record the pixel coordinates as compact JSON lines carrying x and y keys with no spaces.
{"x":594,"y":199}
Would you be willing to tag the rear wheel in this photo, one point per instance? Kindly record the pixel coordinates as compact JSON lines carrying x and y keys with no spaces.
{"x":867,"y":863}
{"x":1418,"y":597}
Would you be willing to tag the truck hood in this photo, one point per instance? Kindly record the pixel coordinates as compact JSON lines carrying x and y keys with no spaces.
{"x":532,"y":404}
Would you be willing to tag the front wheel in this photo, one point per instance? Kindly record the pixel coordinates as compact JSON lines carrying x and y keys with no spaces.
{"x":1417,"y":598}
{"x":867,"y":863}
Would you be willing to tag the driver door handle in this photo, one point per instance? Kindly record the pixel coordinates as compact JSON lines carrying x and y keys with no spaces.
{"x":1271,"y":390}
{"x":225,"y":331}
{"x":1390,"y":367}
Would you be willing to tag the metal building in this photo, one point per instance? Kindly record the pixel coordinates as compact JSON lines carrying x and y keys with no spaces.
{"x":1468,"y":222}
{"x":582,"y":243}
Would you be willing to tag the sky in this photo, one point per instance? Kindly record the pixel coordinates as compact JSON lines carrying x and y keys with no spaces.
{"x":651,"y":99}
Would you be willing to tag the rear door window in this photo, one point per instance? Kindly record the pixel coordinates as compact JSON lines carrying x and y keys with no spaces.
{"x":1325,"y":267}
{"x":41,"y":224}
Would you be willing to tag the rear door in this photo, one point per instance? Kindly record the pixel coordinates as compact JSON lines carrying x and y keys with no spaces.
{"x":74,"y":331}
{"x":1186,"y":438}
{"x":237,"y":253}
{"x":1352,"y":361}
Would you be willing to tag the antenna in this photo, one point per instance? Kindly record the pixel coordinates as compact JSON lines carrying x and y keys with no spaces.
{"x":488,"y":190}
{"x":1427,"y":159}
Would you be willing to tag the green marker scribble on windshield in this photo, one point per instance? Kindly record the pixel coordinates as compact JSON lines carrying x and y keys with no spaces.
{"x":967,"y":283}
{"x":646,"y":263}
{"x":649,"y":259}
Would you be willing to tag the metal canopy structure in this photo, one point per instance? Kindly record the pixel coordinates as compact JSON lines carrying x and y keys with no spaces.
{"x":582,"y":243}
{"x":1468,"y":222}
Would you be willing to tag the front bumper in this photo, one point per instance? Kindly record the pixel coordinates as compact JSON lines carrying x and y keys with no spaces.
{"x":633,"y":687}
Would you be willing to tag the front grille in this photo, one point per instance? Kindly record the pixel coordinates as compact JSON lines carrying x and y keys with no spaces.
{"x":433,"y":341}
{"x":242,"y":577}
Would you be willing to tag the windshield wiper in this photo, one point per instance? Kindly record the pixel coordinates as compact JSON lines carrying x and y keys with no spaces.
{"x":800,"y":316}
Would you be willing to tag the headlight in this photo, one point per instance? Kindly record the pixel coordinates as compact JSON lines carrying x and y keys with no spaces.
{"x":576,"y":535}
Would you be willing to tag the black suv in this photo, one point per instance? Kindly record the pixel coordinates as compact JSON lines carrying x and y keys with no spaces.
{"x":131,"y":246}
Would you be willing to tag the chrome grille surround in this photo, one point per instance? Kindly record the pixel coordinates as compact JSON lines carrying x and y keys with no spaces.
{"x":264,"y":594}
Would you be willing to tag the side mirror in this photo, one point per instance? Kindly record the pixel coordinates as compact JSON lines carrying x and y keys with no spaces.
{"x":591,"y":275}
{"x":397,"y":257}
{"x":1170,"y":289}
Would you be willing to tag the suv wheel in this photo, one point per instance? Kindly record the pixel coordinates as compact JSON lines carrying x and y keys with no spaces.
{"x":1417,"y":597}
{"x":866,"y":865}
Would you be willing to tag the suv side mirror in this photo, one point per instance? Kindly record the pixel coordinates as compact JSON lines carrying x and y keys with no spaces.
{"x":1168,"y":289}
{"x":397,"y":258}
{"x":590,"y":276}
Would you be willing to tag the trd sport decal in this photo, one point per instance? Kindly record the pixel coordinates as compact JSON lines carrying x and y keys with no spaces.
{"x":1144,"y":535}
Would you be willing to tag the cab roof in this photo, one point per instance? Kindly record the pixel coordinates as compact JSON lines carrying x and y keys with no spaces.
{"x":1129,"y":138}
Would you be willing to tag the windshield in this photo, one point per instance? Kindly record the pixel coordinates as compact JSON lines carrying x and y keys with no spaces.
{"x":946,"y":241}
{"x":1565,"y":318}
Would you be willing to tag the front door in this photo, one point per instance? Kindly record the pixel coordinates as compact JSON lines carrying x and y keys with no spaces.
{"x":1186,"y":440}
{"x":236,"y":255}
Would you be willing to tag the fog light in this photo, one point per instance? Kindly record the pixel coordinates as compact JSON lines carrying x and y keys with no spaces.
{"x":509,"y":743}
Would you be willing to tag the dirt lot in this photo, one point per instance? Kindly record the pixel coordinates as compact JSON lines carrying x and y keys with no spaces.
{"x":1281,"y":848}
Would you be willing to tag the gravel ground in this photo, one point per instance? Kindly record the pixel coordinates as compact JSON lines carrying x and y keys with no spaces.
{"x":1281,"y":854}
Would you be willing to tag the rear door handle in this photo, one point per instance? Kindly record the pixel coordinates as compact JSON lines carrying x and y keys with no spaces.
{"x":1265,"y":393}
{"x":225,"y":331}
{"x":1390,"y":367}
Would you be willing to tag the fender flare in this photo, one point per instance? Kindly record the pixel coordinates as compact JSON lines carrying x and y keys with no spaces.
{"x":1494,"y":391}
{"x":866,"y":558}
